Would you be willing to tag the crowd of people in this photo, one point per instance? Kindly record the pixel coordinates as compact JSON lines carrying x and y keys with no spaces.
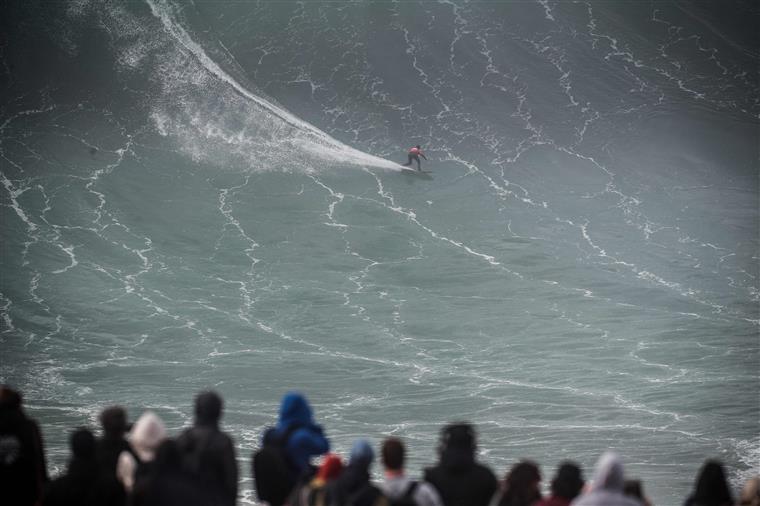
{"x":139,"y":464}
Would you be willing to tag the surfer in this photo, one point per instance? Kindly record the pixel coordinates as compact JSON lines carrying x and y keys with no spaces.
{"x":414,"y":154}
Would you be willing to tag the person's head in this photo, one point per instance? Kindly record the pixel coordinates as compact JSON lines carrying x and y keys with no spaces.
{"x":146,"y":434}
{"x":208,"y":408}
{"x":294,"y":408}
{"x":330,"y":468}
{"x":361,"y":454}
{"x":568,"y":482}
{"x":712,"y":487}
{"x":459,"y":436}
{"x":522,"y":482}
{"x":393,"y":454}
{"x":82,"y":444}
{"x":114,"y":421}
{"x":418,"y":146}
{"x":10,"y":399}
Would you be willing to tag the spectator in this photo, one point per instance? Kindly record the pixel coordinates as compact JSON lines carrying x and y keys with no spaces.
{"x":353,"y":487}
{"x":284,"y":461}
{"x":208,"y":454}
{"x":521,"y":486}
{"x":113,"y":420}
{"x":397,"y":486}
{"x":315,"y":491}
{"x":607,"y":486}
{"x":711,"y":488}
{"x":145,"y":437}
{"x":83,"y":484}
{"x":167,"y":484}
{"x":566,"y":485}
{"x":23,"y":473}
{"x":306,"y":440}
{"x":458,"y":478}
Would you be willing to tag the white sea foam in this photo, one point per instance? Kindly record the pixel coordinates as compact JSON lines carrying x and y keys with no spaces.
{"x":285,"y":133}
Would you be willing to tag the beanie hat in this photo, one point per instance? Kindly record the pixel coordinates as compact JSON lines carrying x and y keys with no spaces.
{"x":361,"y":453}
{"x":331,"y":467}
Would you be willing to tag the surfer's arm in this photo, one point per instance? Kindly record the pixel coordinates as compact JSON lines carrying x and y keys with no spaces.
{"x":423,"y":156}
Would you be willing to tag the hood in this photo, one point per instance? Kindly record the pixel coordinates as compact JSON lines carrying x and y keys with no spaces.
{"x":147,"y":433}
{"x":609,"y":473}
{"x":294,"y":409}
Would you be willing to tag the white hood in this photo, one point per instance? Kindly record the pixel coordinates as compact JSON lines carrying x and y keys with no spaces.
{"x":147,"y":433}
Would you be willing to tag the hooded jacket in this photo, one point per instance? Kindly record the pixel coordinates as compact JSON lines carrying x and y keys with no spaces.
{"x":459,"y":480}
{"x":305,"y":442}
{"x":147,"y":433}
{"x":607,"y":485}
{"x":208,"y":454}
{"x":711,"y":487}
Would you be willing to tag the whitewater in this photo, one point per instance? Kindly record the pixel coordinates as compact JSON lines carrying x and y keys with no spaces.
{"x":207,"y":195}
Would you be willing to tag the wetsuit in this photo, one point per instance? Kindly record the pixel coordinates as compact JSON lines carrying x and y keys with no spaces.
{"x":415,"y":154}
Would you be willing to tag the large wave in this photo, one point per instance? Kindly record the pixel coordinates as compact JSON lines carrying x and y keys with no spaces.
{"x":211,"y":115}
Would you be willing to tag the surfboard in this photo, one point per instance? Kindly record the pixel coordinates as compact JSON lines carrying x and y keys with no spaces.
{"x":415,"y":171}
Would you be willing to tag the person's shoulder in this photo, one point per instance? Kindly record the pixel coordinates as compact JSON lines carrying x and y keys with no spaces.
{"x":426,"y":494}
{"x":485,"y":470}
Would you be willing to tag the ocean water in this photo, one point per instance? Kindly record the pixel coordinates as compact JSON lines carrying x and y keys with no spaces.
{"x":205,"y":194}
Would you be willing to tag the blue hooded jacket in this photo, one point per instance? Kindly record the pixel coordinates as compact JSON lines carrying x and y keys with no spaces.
{"x":306,"y":441}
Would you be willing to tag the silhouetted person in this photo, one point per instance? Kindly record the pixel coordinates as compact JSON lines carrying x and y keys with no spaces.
{"x":208,"y":454}
{"x":83,"y":484}
{"x":353,"y":486}
{"x":521,"y":485}
{"x":111,"y":444}
{"x":23,"y":473}
{"x":113,"y":420}
{"x":397,"y":485}
{"x":458,"y":478}
{"x":168,"y":484}
{"x":566,"y":485}
{"x":607,"y":486}
{"x":711,"y":487}
{"x":145,"y":437}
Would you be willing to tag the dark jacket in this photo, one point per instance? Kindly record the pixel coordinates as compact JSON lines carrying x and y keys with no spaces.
{"x":167,"y":484}
{"x":80,"y":486}
{"x":305,"y":442}
{"x":353,"y":488}
{"x":107,"y":453}
{"x":85,"y":483}
{"x":209,"y":455}
{"x":23,"y":473}
{"x":460,"y":480}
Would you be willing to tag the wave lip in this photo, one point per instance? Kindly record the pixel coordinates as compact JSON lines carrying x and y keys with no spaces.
{"x":247,"y":126}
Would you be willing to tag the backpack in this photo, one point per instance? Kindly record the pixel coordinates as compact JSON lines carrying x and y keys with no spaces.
{"x":407,"y":499}
{"x":272,"y":471}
